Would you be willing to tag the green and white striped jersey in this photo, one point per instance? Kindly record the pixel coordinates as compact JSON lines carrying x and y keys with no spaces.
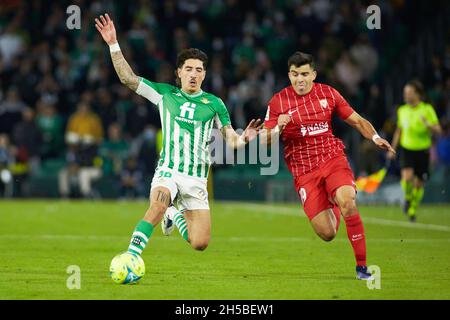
{"x":187,"y":122}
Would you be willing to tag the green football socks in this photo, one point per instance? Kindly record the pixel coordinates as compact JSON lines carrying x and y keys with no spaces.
{"x":417,"y":195}
{"x":407,"y":187}
{"x":140,"y":237}
{"x":181,"y":224}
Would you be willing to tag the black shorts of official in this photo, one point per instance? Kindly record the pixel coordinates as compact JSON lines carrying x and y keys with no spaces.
{"x":417,"y":160}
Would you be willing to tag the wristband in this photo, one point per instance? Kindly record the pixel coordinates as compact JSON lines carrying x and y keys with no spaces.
{"x":276,"y":129}
{"x":241,"y":140}
{"x":374,"y":137}
{"x":114,"y":47}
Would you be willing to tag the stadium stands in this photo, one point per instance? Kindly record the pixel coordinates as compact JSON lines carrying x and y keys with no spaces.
{"x":47,"y":70}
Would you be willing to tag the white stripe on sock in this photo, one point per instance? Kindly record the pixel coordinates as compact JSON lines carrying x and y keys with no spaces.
{"x":182,"y":229}
{"x":134,"y":248}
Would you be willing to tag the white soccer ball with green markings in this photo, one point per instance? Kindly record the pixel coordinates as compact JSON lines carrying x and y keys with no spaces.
{"x":127,"y":268}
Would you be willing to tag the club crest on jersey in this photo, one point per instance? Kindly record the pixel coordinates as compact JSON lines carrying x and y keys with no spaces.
{"x":314,"y":129}
{"x":205,"y":101}
{"x":323,"y":103}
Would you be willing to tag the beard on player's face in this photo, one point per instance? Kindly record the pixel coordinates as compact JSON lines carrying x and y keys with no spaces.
{"x":191,"y":84}
{"x":191,"y":75}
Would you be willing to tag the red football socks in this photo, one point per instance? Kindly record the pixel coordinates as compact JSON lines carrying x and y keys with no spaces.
{"x":355,"y":232}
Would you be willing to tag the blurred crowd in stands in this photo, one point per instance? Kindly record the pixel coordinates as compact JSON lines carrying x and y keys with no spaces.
{"x":60,"y":99}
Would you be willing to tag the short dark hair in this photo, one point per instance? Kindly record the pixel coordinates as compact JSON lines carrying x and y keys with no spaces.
{"x":299,"y":59}
{"x":418,"y":87}
{"x":191,"y":53}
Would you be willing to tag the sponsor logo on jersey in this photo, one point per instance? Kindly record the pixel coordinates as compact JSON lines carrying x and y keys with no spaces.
{"x":323,"y":103}
{"x":314,"y":129}
{"x":187,"y":110}
{"x":184,"y":120}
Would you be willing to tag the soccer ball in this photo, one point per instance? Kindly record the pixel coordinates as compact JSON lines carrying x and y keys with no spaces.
{"x":127,"y":268}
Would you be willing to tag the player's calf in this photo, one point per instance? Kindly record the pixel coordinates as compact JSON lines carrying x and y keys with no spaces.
{"x":324,"y":225}
{"x":155,"y":213}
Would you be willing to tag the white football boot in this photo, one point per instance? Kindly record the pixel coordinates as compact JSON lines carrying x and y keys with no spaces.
{"x":167,"y":224}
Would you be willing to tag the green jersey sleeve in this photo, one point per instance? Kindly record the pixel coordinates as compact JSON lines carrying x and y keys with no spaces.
{"x":222,"y":117}
{"x":153,"y":91}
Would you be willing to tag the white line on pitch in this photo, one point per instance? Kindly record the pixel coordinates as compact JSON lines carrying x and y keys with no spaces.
{"x":220,"y":238}
{"x":298,"y":212}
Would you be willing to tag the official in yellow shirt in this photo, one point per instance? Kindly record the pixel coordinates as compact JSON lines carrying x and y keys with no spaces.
{"x":416,"y":124}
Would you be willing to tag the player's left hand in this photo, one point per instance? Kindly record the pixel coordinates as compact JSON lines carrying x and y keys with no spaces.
{"x":383,"y":144}
{"x":252,"y":130}
{"x":425,"y":121}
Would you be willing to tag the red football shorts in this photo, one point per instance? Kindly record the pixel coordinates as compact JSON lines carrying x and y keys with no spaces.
{"x":317,"y":188}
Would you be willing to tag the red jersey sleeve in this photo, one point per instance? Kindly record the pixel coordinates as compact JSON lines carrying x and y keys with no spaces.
{"x":273,"y":111}
{"x":343,"y":109}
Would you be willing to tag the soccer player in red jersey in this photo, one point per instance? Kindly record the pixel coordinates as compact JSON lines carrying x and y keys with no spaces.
{"x":302,"y":114}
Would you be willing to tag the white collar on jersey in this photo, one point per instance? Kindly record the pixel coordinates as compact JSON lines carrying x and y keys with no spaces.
{"x":192,"y":95}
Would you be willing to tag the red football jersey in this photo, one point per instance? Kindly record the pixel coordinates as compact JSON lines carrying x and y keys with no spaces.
{"x":308,"y":139}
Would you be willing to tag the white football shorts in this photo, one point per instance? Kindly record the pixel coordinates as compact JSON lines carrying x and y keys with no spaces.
{"x":186,"y":192}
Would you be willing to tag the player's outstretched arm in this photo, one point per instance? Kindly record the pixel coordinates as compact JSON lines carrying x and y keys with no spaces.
{"x":368,"y":131}
{"x":105,"y":27}
{"x":237,"y":141}
{"x":394,"y":143}
{"x":267,"y":134}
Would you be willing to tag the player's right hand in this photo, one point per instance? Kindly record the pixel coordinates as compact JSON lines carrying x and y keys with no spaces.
{"x":390,"y":155}
{"x":283,"y":120}
{"x":106,"y":28}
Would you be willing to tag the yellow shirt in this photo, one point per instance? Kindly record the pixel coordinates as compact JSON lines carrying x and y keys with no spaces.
{"x":86,"y":125}
{"x":415,"y":135}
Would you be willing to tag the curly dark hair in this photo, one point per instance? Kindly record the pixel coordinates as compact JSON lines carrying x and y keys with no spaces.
{"x":191,"y":53}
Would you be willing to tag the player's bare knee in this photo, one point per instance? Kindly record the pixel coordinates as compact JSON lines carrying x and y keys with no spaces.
{"x":199,"y":245}
{"x":348,"y":207}
{"x":327,"y":235}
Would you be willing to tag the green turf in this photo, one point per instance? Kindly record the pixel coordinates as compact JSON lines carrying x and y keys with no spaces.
{"x":256,"y":252}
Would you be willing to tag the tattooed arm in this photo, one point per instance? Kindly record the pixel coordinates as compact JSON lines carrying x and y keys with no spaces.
{"x":123,"y":70}
{"x":106,"y":28}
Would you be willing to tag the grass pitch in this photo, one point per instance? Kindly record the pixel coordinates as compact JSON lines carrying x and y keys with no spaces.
{"x":257,"y":251}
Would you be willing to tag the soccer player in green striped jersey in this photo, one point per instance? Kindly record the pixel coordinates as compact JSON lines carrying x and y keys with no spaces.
{"x":187,"y":117}
{"x":416,"y":124}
